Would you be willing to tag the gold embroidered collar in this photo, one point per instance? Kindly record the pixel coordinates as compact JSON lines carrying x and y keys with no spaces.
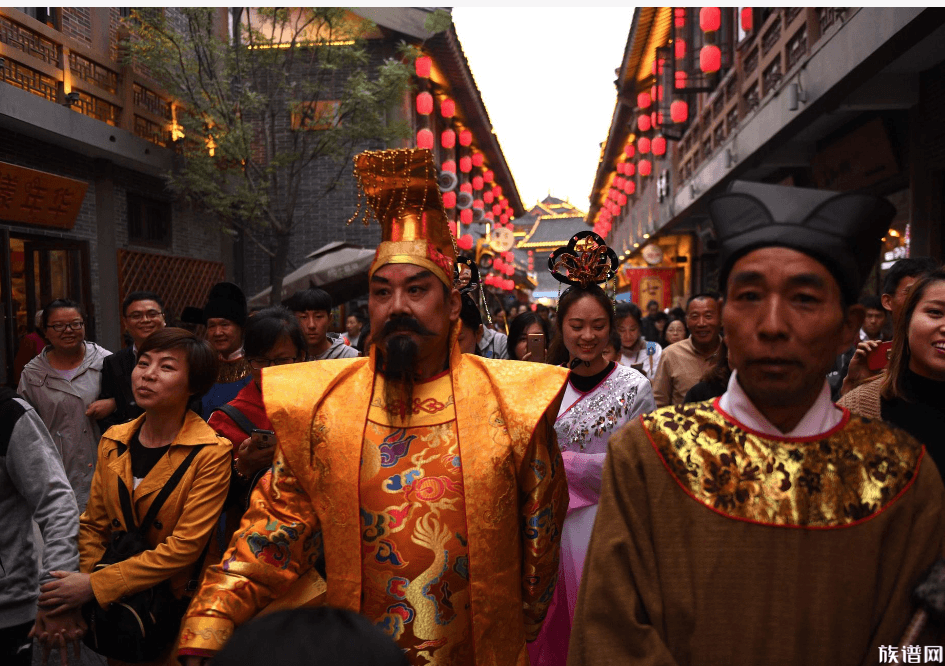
{"x":839,"y":479}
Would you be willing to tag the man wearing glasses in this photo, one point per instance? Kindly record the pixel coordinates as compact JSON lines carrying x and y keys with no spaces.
{"x":142,"y":313}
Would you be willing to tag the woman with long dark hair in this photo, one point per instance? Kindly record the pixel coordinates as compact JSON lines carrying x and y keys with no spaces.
{"x":525,"y":324}
{"x":636,"y":351}
{"x":911,"y":393}
{"x":599,"y":398}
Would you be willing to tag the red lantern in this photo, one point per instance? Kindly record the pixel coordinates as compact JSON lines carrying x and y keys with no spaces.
{"x":466,"y":187}
{"x":644,"y":145}
{"x":620,"y":168}
{"x":447,"y":108}
{"x":465,"y":138}
{"x":423,"y":66}
{"x":488,"y":197}
{"x":465,"y":215}
{"x":680,"y":49}
{"x":681,"y":80}
{"x":710,"y":19}
{"x":643,"y":100}
{"x":646,"y":168}
{"x":497,"y":209}
{"x":425,"y":139}
{"x":448,"y":138}
{"x":448,"y":165}
{"x":618,"y":182}
{"x":465,"y":164}
{"x":679,"y":17}
{"x":656,"y":119}
{"x":424,"y":104}
{"x":643,"y":123}
{"x":710,"y":59}
{"x":631,"y":169}
{"x":656,"y":92}
{"x":504,"y":218}
{"x":490,"y":216}
{"x":621,"y":198}
{"x":747,"y":19}
{"x":452,"y":226}
{"x":631,"y":188}
{"x":659,"y":146}
{"x":449,"y":199}
{"x":628,"y":150}
{"x":488,"y":175}
{"x":477,"y":203}
{"x":464,"y":242}
{"x":657,"y":67}
{"x":679,"y":111}
{"x":497,"y":190}
{"x":477,"y":182}
{"x":477,"y":159}
{"x":509,"y":256}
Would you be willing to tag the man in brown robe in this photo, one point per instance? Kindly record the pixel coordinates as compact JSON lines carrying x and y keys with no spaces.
{"x":768,"y":526}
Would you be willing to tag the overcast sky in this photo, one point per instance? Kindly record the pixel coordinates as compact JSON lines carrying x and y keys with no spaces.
{"x":546,"y":75}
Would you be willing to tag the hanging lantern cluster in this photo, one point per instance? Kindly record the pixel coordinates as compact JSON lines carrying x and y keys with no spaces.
{"x":710,"y":57}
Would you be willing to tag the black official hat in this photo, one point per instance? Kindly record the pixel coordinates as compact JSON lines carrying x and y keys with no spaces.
{"x":840,"y":230}
{"x":226,"y":301}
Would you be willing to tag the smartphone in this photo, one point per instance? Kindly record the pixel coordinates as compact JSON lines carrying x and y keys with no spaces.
{"x":879,"y":357}
{"x":536,"y":345}
{"x":263,"y":439}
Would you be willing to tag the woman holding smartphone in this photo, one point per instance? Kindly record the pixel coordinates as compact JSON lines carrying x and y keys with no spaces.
{"x":599,"y":398}
{"x":910,"y":394}
{"x":528,"y":338}
{"x":272,"y":336}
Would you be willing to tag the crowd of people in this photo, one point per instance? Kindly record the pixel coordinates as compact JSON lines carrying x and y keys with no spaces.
{"x":583,"y":484}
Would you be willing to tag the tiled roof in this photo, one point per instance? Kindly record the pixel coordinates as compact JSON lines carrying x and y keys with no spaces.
{"x":550,"y":223}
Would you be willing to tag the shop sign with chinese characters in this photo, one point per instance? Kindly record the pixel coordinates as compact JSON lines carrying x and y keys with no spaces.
{"x":37,"y":197}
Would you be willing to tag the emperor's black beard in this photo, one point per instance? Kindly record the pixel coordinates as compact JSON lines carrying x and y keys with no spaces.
{"x":396,"y":360}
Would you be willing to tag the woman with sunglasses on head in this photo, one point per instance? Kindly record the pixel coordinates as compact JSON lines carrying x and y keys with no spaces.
{"x":599,"y":398}
{"x":63,"y":384}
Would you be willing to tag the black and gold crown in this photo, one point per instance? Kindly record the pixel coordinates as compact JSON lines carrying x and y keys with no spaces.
{"x":585,"y":260}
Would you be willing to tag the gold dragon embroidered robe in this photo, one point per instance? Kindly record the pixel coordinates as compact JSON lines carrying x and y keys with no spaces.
{"x":716,"y":545}
{"x":328,"y":490}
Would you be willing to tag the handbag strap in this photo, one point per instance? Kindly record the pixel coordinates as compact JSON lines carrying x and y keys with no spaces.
{"x":125,"y":497}
{"x":239,"y":418}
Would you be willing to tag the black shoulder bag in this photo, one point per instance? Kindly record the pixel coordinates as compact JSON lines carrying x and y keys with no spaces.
{"x":141,"y":626}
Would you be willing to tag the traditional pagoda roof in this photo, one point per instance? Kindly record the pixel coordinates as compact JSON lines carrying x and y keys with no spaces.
{"x":549,"y":224}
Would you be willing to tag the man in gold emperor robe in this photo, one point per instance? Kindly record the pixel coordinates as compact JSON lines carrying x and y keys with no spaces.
{"x":429,"y":480}
{"x":768,"y":526}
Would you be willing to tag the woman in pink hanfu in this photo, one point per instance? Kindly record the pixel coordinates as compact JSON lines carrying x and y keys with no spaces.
{"x":600,"y":397}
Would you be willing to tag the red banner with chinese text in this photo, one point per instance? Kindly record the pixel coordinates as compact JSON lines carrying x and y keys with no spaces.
{"x":37,"y":197}
{"x":650,"y":284}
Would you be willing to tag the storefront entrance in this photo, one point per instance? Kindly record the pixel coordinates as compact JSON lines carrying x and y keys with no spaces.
{"x":34,"y":270}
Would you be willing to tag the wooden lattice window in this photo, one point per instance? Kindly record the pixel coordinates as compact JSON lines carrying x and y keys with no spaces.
{"x":149,"y":221}
{"x":179,"y":281}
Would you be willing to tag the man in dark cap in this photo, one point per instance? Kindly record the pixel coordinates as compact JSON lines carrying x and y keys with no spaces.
{"x":225,"y":314}
{"x":768,"y":526}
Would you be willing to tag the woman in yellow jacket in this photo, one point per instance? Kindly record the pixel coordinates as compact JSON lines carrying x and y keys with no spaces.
{"x":172,"y":365}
